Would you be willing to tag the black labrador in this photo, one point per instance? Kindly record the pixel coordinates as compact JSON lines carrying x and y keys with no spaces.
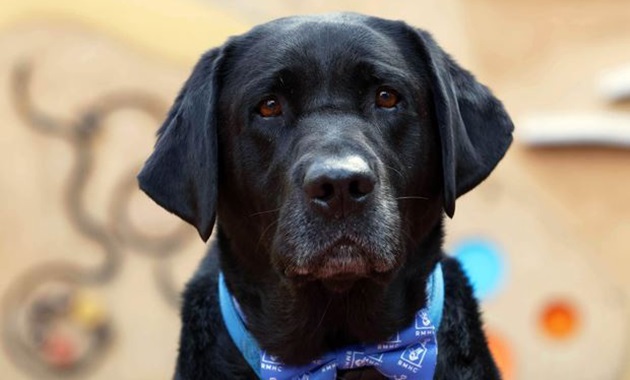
{"x":328,"y":148}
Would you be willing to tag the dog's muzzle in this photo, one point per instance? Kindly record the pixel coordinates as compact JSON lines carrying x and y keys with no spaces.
{"x":335,"y":224}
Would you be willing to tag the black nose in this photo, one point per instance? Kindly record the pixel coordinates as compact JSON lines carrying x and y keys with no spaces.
{"x":338,"y":187}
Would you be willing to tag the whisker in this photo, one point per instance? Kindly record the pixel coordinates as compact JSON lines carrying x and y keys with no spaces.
{"x":413,"y":197}
{"x":323,"y":315}
{"x":262,"y":235}
{"x":396,"y":170}
{"x":405,"y":235}
{"x":265,"y":212}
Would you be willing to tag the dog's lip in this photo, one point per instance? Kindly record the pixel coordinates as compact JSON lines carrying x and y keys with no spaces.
{"x":344,"y":260}
{"x":341,"y":266}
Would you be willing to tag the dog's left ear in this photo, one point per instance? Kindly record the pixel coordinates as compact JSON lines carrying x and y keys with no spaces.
{"x":181,"y":173}
{"x":475,"y":130}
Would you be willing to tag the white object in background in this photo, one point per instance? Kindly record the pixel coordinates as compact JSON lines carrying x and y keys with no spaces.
{"x":614,"y":85}
{"x":610,"y":128}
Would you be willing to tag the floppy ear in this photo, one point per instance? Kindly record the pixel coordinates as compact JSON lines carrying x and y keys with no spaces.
{"x":475,"y":130}
{"x":181,"y":173}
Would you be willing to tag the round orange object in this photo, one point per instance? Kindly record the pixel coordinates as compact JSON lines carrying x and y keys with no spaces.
{"x":59,"y":351}
{"x":559,"y":320}
{"x":502,"y":355}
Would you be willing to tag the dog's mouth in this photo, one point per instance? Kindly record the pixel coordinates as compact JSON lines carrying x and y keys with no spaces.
{"x":340,"y":265}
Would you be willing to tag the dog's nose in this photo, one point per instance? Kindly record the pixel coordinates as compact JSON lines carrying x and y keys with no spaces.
{"x":338,"y":187}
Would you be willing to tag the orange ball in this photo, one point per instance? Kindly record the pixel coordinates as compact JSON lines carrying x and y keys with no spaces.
{"x":560,"y":320}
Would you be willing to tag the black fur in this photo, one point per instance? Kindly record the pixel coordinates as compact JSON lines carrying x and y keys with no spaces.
{"x":317,"y":270}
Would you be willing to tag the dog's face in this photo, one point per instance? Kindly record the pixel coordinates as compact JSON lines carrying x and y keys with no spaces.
{"x":333,"y":144}
{"x":332,"y":132}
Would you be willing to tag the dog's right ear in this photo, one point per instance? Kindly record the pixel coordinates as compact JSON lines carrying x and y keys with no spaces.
{"x":475,"y":129}
{"x":181,"y":173}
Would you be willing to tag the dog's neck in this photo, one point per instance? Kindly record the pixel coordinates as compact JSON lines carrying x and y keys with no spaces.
{"x":299,"y":324}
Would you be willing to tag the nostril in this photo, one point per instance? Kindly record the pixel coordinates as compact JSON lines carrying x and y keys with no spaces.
{"x":353,"y":188}
{"x":320,"y":190}
{"x":361,"y":187}
{"x":326,"y":193}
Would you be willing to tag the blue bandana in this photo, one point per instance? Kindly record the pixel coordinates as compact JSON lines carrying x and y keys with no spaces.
{"x":409,"y":354}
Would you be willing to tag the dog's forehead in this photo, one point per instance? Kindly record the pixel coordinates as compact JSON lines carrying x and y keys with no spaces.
{"x":332,"y":31}
{"x":316,"y":43}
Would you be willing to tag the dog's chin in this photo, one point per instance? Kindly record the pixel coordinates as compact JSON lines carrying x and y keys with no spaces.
{"x":340,"y":267}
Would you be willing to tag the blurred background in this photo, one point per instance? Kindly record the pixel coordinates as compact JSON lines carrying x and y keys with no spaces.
{"x":91,"y":269}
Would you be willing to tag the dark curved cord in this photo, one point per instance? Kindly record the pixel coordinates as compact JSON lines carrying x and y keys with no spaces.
{"x":158,"y":247}
{"x":110,"y":238}
{"x":80,"y":135}
{"x":87,"y":225}
{"x":26,"y":109}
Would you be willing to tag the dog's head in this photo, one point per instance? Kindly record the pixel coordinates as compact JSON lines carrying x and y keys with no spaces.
{"x":328,"y":146}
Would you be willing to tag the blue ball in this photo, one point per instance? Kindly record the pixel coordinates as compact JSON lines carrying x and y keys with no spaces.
{"x":484,"y":264}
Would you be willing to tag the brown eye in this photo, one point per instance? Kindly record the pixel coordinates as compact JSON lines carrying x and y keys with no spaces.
{"x":270,"y":107}
{"x":386,"y":98}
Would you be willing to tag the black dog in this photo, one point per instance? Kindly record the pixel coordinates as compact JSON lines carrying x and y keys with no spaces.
{"x":329,"y":147}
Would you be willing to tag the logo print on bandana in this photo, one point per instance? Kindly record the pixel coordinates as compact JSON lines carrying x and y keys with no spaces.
{"x":423,"y":325}
{"x":269,"y":359}
{"x":355,"y":359}
{"x":422,"y":320}
{"x":270,"y":363}
{"x":393,"y":342}
{"x":413,"y":357}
